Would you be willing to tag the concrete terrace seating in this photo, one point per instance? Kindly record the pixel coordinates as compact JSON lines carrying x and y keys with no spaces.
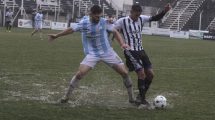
{"x":182,"y":12}
{"x":29,"y":5}
{"x":212,"y":25}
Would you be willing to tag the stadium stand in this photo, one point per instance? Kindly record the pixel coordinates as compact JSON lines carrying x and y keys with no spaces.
{"x":181,"y":14}
{"x":29,"y":5}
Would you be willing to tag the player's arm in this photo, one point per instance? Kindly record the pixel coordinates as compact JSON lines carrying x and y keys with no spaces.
{"x":161,"y":14}
{"x":120,"y":39}
{"x":63,"y":33}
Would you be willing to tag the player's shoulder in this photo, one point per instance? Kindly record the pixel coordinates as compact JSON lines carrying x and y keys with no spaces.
{"x":84,"y":21}
{"x":123,"y":18}
{"x":104,"y":19}
{"x":145,"y":16}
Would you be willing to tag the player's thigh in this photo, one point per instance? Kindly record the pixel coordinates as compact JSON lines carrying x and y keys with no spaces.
{"x":38,"y":25}
{"x":83,"y":70}
{"x":121,"y":69}
{"x":111,"y":59}
{"x":41,"y":26}
{"x":149,"y":73}
{"x":90,"y":60}
{"x":114,"y":61}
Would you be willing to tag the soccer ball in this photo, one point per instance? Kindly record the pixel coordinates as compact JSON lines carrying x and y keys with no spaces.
{"x":160,"y":101}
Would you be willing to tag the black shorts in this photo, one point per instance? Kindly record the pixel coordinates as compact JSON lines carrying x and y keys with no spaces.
{"x":8,"y":23}
{"x":136,"y":60}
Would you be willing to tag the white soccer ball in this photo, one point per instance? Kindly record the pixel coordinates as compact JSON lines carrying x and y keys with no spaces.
{"x":160,"y":101}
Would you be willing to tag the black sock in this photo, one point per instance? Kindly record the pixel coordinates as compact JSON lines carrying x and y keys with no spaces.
{"x":142,"y":88}
{"x":147,"y":83}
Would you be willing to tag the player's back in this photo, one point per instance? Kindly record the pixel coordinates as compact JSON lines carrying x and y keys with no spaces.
{"x":9,"y":16}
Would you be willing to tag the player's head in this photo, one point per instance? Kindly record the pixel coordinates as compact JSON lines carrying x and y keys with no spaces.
{"x":136,"y":11}
{"x":40,"y":11}
{"x":9,"y":10}
{"x":110,"y":19}
{"x":95,"y":13}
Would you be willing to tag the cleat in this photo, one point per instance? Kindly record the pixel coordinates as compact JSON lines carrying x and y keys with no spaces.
{"x":140,"y":101}
{"x":64,"y":100}
{"x":144,"y":102}
{"x":132,"y":102}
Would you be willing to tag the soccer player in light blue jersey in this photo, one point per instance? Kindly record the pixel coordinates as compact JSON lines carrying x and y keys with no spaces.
{"x":38,"y":23}
{"x":96,"y":48}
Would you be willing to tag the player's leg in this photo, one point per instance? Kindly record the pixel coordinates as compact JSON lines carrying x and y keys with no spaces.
{"x":40,"y":30}
{"x":41,"y":34}
{"x":10,"y":25}
{"x":149,"y":76}
{"x":7,"y":26}
{"x":85,"y":66}
{"x":36,"y":28}
{"x":83,"y":70}
{"x":141,"y":83}
{"x":133,"y":59}
{"x":120,"y":68}
{"x":145,"y":76}
{"x":114,"y":61}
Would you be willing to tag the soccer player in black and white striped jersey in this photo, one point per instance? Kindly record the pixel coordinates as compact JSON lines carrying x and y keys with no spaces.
{"x":136,"y":58}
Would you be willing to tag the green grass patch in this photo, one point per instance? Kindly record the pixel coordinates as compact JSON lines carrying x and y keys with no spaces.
{"x":34,"y":74}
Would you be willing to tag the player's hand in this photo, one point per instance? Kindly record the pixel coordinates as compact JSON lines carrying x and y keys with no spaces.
{"x":125,"y":46}
{"x":51,"y":37}
{"x":167,"y":7}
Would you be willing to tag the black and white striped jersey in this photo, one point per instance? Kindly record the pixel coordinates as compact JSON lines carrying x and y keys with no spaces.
{"x":131,"y":30}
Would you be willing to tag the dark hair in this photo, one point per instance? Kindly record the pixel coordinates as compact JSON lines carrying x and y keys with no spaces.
{"x":95,"y":9}
{"x":136,"y":8}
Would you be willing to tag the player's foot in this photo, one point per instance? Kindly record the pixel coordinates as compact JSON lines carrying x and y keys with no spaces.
{"x":132,"y":102}
{"x":139,"y":101}
{"x":64,"y":100}
{"x":145,"y":102}
{"x":32,"y":34}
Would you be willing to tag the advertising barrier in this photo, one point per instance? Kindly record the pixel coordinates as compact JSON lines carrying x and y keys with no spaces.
{"x":58,"y":26}
{"x":197,"y":34}
{"x":179,"y":34}
{"x":23,"y":23}
{"x":209,"y":36}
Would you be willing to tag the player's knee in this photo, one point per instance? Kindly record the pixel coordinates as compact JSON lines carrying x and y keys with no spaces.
{"x":150,"y":76}
{"x":124,"y":73}
{"x":141,"y":75}
{"x":74,"y":82}
{"x":127,"y":82}
{"x":79,"y":75}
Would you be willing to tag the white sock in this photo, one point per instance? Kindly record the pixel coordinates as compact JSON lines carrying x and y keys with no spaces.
{"x":73,"y":84}
{"x":128,"y":84}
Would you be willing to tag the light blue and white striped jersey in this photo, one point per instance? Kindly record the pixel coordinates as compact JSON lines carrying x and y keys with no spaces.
{"x":94,"y":36}
{"x":38,"y":17}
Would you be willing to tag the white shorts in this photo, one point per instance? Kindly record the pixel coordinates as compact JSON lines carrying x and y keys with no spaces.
{"x":38,"y":24}
{"x":110,"y":59}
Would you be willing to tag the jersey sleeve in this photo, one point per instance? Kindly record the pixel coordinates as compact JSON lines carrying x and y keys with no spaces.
{"x":118,"y":24}
{"x":109,"y":27}
{"x":77,"y":26}
{"x":145,"y":18}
